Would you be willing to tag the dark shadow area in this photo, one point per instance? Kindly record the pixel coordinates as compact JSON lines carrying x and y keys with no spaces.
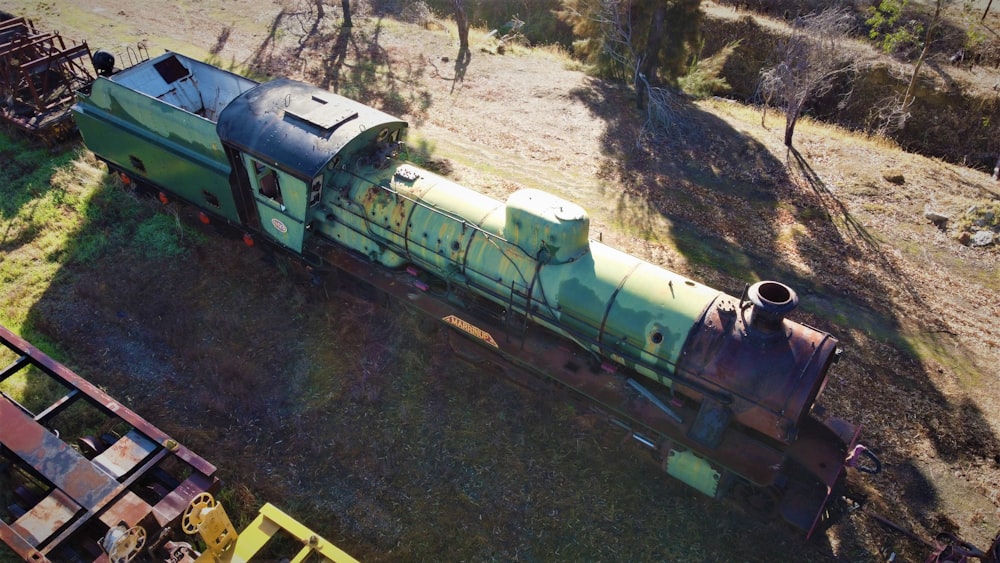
{"x":220,"y":41}
{"x":458,"y":75}
{"x":267,"y":59}
{"x":855,"y":231}
{"x":733,"y":211}
{"x":461,"y":65}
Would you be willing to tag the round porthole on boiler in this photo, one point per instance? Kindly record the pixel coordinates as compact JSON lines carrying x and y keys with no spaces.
{"x":656,"y":337}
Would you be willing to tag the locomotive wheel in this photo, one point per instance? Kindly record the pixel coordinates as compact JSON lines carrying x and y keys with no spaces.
{"x":191,"y":519}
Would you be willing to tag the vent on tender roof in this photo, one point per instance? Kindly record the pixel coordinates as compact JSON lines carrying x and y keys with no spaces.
{"x":321,"y":113}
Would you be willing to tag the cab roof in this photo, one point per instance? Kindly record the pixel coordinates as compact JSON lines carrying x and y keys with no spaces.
{"x":295,"y":126}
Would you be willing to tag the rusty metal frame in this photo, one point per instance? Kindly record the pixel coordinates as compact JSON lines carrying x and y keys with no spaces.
{"x":39,"y":75}
{"x":86,"y":496}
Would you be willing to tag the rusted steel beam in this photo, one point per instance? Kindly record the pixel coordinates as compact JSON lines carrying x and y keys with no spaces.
{"x":70,"y":491}
{"x":15,"y":29}
{"x":52,"y":458}
{"x":39,"y":76}
{"x":21,"y":44}
{"x":100,"y":399}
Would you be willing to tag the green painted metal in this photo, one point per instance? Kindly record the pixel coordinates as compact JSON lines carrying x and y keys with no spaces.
{"x":620,"y":301}
{"x":531,"y":254}
{"x":142,"y":137}
{"x":547,"y":227}
{"x":693,"y":470}
{"x":281,"y":202}
{"x":161,"y":132}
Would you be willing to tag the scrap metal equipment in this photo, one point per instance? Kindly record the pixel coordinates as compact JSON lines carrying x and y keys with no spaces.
{"x":63,"y":488}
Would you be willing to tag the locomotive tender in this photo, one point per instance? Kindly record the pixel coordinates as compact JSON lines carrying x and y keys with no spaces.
{"x":722,"y":387}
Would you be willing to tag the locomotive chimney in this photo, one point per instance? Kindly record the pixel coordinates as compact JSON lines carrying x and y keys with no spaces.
{"x":771,"y":302}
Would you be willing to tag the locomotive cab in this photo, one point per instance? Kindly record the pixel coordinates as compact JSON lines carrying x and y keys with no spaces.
{"x":284,"y":140}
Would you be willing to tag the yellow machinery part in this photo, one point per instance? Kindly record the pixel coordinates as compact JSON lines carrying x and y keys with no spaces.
{"x":209,"y":519}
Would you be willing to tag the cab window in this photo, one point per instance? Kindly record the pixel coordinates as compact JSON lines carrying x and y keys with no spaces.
{"x":267,"y":181}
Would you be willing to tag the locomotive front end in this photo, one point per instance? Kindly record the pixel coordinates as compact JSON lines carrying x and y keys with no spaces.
{"x":773,"y":369}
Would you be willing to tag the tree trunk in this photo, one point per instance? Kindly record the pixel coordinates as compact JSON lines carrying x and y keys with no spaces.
{"x":463,"y":25}
{"x":650,"y":64}
{"x":928,"y":38}
{"x":916,"y":73}
{"x":996,"y":170}
{"x":790,"y":129}
{"x":346,"y":6}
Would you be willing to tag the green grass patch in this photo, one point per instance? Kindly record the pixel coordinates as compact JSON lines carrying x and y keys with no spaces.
{"x":939,"y":347}
{"x":163,"y":236}
{"x":714,"y":253}
{"x":41,"y":198}
{"x":61,"y":208}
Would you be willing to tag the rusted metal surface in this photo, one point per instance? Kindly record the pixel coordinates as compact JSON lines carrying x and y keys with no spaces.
{"x":172,"y":506}
{"x":774,"y":372}
{"x":125,"y":454}
{"x":66,"y":498}
{"x":45,"y":518}
{"x":61,"y":465}
{"x":39,"y":74}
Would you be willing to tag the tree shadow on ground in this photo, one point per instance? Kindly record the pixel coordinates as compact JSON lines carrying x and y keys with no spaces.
{"x":735,"y":213}
{"x":350,"y":61}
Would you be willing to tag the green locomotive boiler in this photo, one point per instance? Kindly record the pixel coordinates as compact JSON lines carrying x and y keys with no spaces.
{"x":732,"y":380}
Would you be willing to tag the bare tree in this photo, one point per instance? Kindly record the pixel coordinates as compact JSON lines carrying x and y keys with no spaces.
{"x":885,"y":21}
{"x":613,"y":31}
{"x":808,"y":61}
{"x":928,"y":39}
{"x":650,"y":60}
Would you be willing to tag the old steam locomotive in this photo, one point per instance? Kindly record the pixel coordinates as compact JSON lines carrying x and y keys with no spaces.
{"x":722,"y":388}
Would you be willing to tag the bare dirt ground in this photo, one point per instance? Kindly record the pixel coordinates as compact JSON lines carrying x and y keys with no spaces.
{"x":355,"y":418}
